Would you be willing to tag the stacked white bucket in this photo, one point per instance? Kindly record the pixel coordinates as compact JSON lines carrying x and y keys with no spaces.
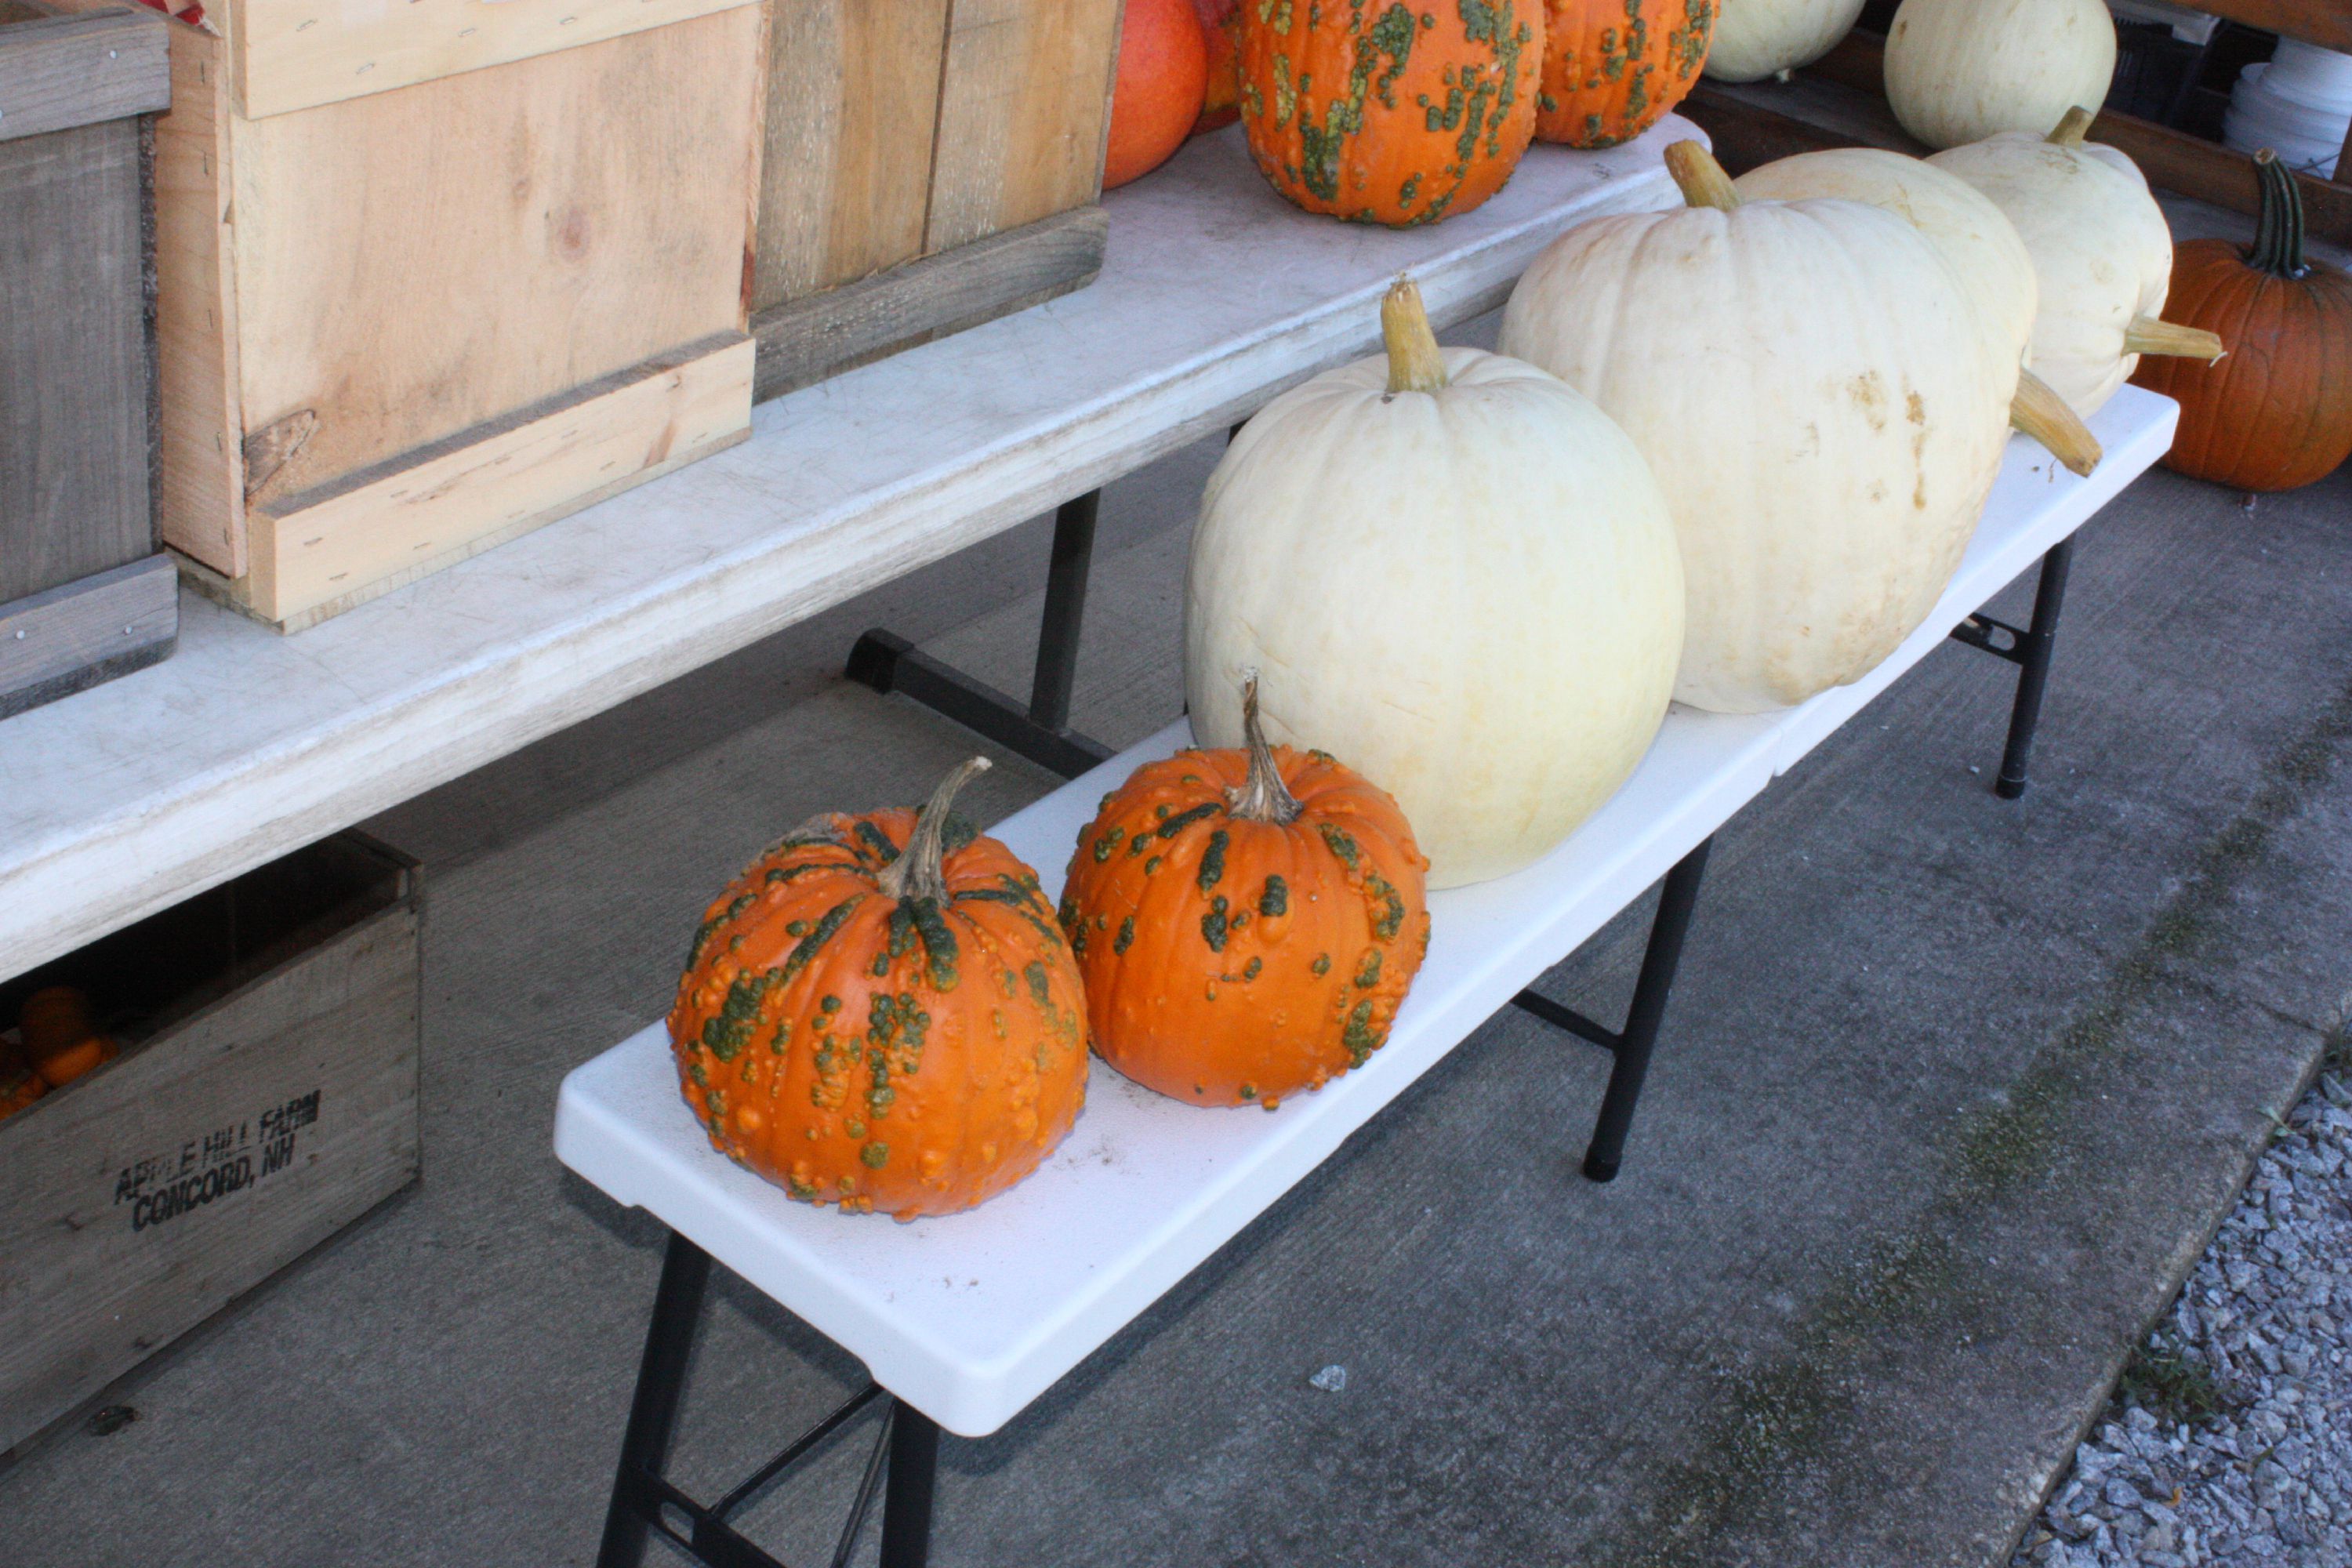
{"x":2299,"y":104}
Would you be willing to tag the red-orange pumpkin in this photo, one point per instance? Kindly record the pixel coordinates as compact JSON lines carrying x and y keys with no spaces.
{"x":1155,"y":96}
{"x":2276,"y":413}
{"x":1221,"y":22}
{"x":1247,"y":920}
{"x":1386,"y":112}
{"x":880,"y":1012}
{"x":1611,"y":71}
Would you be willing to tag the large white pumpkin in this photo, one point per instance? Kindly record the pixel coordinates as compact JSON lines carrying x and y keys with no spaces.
{"x":1982,"y":245}
{"x":1960,"y":70}
{"x":1455,"y":575}
{"x":1811,"y":382}
{"x":1757,"y":38}
{"x":2101,"y":254}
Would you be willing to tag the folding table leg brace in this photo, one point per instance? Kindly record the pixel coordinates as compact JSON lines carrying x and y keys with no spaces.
{"x":2030,"y":649}
{"x":644,"y":1501}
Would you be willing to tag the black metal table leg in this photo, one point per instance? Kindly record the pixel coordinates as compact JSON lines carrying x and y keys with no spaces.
{"x":2030,"y":649}
{"x":1632,"y":1046}
{"x":653,"y":1412}
{"x":914,"y":1471}
{"x":1041,"y":733}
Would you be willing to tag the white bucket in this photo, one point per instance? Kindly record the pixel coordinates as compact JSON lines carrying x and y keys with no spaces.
{"x":2307,"y":137}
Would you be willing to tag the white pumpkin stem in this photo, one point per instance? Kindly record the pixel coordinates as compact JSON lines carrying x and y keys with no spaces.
{"x":1264,"y":798}
{"x":918,"y":872}
{"x":2147,"y":335}
{"x":2041,"y":413}
{"x":1700,"y":178}
{"x":2070,"y":130}
{"x":1415,"y":362}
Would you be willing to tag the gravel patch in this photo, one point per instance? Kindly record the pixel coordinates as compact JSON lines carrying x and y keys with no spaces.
{"x":2229,"y":1441}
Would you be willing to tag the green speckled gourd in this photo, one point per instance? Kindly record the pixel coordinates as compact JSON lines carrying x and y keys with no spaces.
{"x":881,"y":1012}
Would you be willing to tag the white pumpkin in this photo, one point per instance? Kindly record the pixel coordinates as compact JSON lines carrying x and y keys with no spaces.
{"x":1454,"y":574}
{"x":1982,"y":245}
{"x":1961,"y":70}
{"x":1757,"y":38}
{"x":2101,"y":254}
{"x":1811,"y":382}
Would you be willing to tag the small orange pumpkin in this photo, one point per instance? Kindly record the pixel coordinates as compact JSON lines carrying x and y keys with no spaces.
{"x":2277,"y":413}
{"x":1247,"y":921}
{"x":880,"y":1012}
{"x":1611,"y":72}
{"x":1221,"y":22}
{"x":1385,"y":112}
{"x":60,"y":1039}
{"x":19,"y":1086}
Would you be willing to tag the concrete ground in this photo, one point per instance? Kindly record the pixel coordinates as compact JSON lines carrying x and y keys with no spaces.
{"x":1951,"y":1093}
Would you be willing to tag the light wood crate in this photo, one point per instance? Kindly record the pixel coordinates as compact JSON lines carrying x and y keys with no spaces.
{"x":85,"y":593}
{"x":266,"y":1098}
{"x":435,"y":274}
{"x":929,"y":165}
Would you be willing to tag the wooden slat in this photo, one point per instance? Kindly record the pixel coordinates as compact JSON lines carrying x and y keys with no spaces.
{"x":2323,"y":22}
{"x":74,"y":636}
{"x":319,"y":553}
{"x":58,"y":71}
{"x":1023,"y":114}
{"x":410,"y":265}
{"x":74,"y":476}
{"x":807,"y":340}
{"x":101,"y":1262}
{"x":297,"y":54}
{"x":2194,"y":167}
{"x":852,"y":97}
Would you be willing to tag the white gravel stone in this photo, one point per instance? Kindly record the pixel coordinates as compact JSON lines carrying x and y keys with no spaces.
{"x":2267,"y":1317}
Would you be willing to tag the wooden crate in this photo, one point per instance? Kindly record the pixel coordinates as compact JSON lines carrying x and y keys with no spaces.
{"x":435,"y":274}
{"x":930,"y":164}
{"x":84,"y":594}
{"x":1840,"y":100}
{"x":265,"y":1098}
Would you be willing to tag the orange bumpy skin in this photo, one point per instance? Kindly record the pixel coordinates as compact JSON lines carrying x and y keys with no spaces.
{"x":1234,"y":961}
{"x":1380,"y":111}
{"x":1612,"y":68}
{"x":918,"y":1055}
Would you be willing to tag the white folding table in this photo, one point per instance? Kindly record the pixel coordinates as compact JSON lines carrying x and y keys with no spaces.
{"x":962,"y":1320}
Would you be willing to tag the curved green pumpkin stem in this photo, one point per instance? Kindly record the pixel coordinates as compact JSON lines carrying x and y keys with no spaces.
{"x":2278,"y":222}
{"x":918,"y":872}
{"x":2070,"y":130}
{"x":1264,"y":798}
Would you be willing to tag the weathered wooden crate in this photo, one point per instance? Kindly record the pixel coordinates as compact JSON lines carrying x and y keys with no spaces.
{"x":266,"y":1097}
{"x":432,"y":274}
{"x":930,"y":164}
{"x":85,"y":594}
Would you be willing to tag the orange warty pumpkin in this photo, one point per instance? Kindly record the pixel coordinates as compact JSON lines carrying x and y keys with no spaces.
{"x":1221,"y":22}
{"x":2276,"y":413}
{"x":1386,"y":112}
{"x":1247,"y":920}
{"x":880,"y":1012}
{"x":1611,"y":71}
{"x":1163,"y":77}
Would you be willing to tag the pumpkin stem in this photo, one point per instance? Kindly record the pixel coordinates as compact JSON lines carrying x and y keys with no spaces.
{"x":2147,"y":335}
{"x":1264,"y":798}
{"x":2071,"y":130}
{"x":1415,"y":362}
{"x":1700,"y":178}
{"x":2278,"y":224}
{"x":917,"y":873}
{"x":2041,"y":413}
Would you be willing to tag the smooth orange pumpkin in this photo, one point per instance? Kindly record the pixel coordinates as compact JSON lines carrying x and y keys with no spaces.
{"x":19,"y":1085}
{"x":881,"y":1012}
{"x":1611,"y":71}
{"x":1379,"y":112}
{"x":2274,"y":412}
{"x":1221,"y":24}
{"x":1247,"y":920}
{"x":60,"y":1042}
{"x":1162,"y":80}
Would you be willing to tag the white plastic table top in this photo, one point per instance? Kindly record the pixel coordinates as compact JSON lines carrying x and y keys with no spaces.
{"x":1215,"y":294}
{"x":970,"y":1317}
